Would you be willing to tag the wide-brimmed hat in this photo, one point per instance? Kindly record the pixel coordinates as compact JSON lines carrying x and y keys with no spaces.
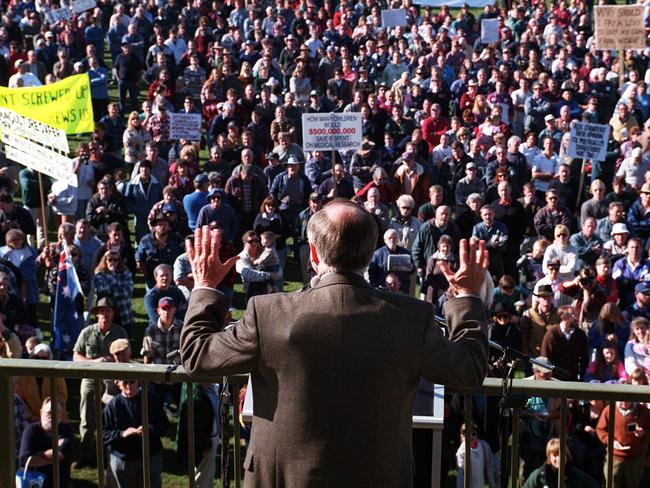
{"x":619,"y":228}
{"x":366,"y":147}
{"x":104,"y":302}
{"x":543,"y":291}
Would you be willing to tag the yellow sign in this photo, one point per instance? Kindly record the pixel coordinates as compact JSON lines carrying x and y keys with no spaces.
{"x":66,"y":105}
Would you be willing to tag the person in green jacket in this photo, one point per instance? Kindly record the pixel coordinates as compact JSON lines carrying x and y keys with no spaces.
{"x":546,"y":475}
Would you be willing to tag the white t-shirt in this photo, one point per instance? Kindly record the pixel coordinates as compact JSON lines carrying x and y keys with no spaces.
{"x":545,"y":165}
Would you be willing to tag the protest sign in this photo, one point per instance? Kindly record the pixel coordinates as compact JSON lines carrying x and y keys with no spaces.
{"x":393,"y":18}
{"x":26,"y":142}
{"x":588,"y":141}
{"x":489,"y":31}
{"x":79,"y":6}
{"x":620,"y":27}
{"x":34,"y":130}
{"x":65,"y":105}
{"x":331,"y":131}
{"x":59,"y":15}
{"x":185,"y":126}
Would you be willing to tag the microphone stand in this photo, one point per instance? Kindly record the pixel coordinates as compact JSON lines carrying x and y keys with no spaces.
{"x":510,"y":405}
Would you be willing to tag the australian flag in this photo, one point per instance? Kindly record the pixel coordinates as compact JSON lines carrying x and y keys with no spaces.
{"x":66,"y":322}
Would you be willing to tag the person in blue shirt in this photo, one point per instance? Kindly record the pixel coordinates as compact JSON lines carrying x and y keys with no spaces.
{"x":218,"y":211}
{"x":495,"y":235}
{"x":98,"y":87}
{"x":195,"y":201}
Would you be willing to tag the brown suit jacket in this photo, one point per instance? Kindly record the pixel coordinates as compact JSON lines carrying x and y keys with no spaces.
{"x":334,"y":371}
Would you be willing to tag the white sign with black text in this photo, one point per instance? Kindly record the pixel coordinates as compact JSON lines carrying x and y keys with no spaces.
{"x":588,"y":141}
{"x":331,"y":131}
{"x":393,"y":18}
{"x":185,"y":126}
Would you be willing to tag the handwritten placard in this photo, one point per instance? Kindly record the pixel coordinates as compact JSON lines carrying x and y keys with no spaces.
{"x":620,"y":27}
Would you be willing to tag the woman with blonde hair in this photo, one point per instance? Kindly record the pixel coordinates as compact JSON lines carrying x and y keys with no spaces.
{"x":114,"y":280}
{"x":134,"y":139}
{"x":563,"y":251}
{"x":481,"y":109}
{"x":637,"y":349}
{"x":300,"y":85}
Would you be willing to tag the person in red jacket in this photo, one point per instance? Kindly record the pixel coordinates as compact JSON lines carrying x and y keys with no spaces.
{"x":632,"y":422}
{"x":434,"y":126}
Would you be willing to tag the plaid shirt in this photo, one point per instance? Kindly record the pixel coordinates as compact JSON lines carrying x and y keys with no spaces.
{"x":158,"y":342}
{"x":158,"y":128}
{"x":119,"y":288}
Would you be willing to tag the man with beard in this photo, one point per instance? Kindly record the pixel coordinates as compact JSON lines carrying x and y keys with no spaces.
{"x":160,"y":246}
{"x":337,"y":186}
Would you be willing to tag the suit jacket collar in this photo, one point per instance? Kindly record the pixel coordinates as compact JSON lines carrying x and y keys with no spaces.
{"x":342,"y":279}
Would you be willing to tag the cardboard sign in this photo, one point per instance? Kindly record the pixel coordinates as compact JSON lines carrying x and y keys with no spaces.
{"x":393,"y":18}
{"x":33,"y":129}
{"x":588,"y":141}
{"x":185,"y":126}
{"x":331,"y":131}
{"x":489,"y":31}
{"x":59,"y":15}
{"x":620,"y":27}
{"x":26,"y":143}
{"x":79,"y":6}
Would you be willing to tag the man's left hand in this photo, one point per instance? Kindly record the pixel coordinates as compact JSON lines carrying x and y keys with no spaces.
{"x":207,"y":268}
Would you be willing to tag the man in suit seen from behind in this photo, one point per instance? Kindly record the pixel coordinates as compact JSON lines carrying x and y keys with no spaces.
{"x":334,"y":368}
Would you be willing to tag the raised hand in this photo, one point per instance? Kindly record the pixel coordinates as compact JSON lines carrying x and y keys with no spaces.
{"x":207,"y":268}
{"x":474,"y":260}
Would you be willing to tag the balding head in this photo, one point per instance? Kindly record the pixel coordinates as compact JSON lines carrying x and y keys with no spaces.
{"x":344,"y":235}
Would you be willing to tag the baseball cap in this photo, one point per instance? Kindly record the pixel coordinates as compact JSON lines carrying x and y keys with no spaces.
{"x":548,"y":118}
{"x":471,"y":165}
{"x":168,"y":207}
{"x":166,"y":302}
{"x":201,"y":178}
{"x":642,"y":287}
{"x":314,"y":196}
{"x":293,"y":160}
{"x":645,"y":188}
{"x":214,"y":192}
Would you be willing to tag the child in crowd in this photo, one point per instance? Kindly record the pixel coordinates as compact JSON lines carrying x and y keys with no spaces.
{"x":119,"y":176}
{"x":483,"y":465}
{"x":268,"y":260}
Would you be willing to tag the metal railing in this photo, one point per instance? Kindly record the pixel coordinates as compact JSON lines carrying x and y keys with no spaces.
{"x":9,"y":368}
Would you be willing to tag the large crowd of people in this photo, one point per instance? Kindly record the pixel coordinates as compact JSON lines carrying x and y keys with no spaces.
{"x":460,"y":139}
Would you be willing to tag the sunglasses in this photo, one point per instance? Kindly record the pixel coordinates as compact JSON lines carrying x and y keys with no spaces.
{"x":252,"y":241}
{"x":112,"y":260}
{"x":552,"y":198}
{"x":561,"y":235}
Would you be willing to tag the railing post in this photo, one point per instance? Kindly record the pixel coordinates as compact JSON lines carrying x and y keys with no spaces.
{"x":563,"y":447}
{"x":236,"y":427}
{"x":146,"y":464}
{"x":190,"y":434}
{"x":467,"y":478}
{"x":514,"y":460}
{"x":610,"y":444}
{"x":7,"y":429}
{"x":54,"y":399}
{"x":99,"y":438}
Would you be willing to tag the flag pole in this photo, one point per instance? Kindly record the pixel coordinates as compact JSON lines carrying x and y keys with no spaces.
{"x":42,"y":195}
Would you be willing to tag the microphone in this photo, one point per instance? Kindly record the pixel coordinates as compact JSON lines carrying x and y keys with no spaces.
{"x":546,"y":366}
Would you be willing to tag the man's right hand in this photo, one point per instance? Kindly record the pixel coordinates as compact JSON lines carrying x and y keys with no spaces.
{"x":474,"y":260}
{"x":207,"y":268}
